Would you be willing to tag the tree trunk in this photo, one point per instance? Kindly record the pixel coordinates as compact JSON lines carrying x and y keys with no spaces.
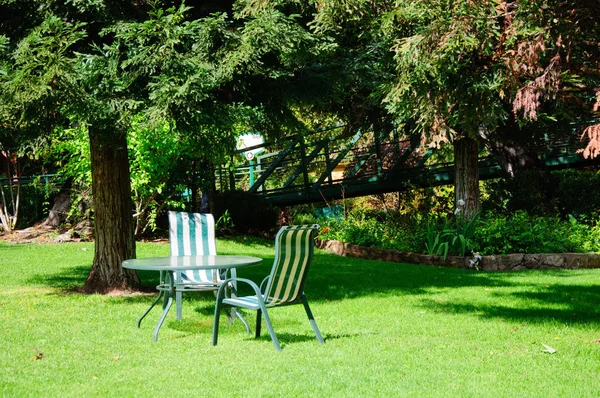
{"x":114,"y":238}
{"x":466,"y":177}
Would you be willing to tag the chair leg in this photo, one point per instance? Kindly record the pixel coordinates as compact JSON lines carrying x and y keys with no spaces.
{"x":311,"y":318}
{"x":258,"y":319}
{"x":270,"y":328}
{"x":216,"y":321}
{"x":149,"y":308}
{"x":178,"y":305}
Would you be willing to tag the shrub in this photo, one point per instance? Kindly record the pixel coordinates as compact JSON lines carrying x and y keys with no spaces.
{"x":491,"y":234}
{"x":382,"y":230}
{"x":522,"y":233}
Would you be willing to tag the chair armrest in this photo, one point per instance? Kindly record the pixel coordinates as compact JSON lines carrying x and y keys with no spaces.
{"x":263,"y":284}
{"x":254,"y":286}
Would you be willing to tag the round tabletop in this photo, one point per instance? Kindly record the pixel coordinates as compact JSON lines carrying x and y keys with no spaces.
{"x":181,"y":263}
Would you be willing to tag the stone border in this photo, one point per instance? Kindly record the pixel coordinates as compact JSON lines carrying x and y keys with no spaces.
{"x":510,"y":262}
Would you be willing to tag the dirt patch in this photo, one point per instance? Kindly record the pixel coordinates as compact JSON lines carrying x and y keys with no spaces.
{"x":43,"y":233}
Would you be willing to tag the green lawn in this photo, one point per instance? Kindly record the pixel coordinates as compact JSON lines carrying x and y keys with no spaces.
{"x":391,"y":330}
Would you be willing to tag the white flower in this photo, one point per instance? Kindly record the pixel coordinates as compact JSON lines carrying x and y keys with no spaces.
{"x":460,"y":202}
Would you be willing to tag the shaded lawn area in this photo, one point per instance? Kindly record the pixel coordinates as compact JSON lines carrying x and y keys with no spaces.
{"x":391,"y":330}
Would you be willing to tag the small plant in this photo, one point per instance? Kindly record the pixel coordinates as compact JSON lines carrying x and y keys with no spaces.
{"x":225,"y":221}
{"x":455,"y":239}
{"x":463,"y":234}
{"x":434,"y":245}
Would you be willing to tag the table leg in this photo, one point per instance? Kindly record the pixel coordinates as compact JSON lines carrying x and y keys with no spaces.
{"x":236,"y":314}
{"x":167,"y":302}
{"x":149,"y":308}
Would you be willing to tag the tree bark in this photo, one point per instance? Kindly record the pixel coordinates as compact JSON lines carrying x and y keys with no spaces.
{"x":113,"y":207}
{"x":466,"y":177}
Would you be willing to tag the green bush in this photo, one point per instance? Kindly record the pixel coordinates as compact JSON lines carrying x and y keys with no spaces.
{"x":578,"y":194}
{"x":376,"y":229}
{"x":490,"y":234}
{"x":522,"y":233}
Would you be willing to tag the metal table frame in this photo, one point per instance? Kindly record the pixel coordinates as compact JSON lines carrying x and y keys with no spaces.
{"x":182,"y":263}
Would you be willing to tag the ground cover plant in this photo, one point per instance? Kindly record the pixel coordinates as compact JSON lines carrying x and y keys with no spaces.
{"x":489,"y":233}
{"x":391,"y":329}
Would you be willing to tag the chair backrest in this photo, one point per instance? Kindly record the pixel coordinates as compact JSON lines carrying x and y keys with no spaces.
{"x":294,"y":247}
{"x":193,"y":234}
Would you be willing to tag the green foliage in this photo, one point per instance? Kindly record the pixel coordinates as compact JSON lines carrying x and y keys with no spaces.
{"x":376,"y":229}
{"x":41,"y":68}
{"x":159,"y":159}
{"x":434,"y":245}
{"x":444,"y":238}
{"x":225,"y":221}
{"x":522,"y":233}
{"x":69,"y":149}
{"x":543,"y":193}
{"x":486,"y":234}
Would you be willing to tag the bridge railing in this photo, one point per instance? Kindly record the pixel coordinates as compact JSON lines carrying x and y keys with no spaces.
{"x":304,"y":164}
{"x":308,"y":169}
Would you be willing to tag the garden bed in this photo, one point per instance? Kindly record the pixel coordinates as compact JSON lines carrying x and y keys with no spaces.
{"x":510,"y":262}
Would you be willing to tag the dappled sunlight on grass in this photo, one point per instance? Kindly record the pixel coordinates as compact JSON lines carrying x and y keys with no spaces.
{"x":390,"y":329}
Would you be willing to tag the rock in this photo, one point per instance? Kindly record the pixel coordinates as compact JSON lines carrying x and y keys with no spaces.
{"x":554,"y":260}
{"x":515,"y":262}
{"x":60,"y":209}
{"x":85,"y":229}
{"x":65,"y":237}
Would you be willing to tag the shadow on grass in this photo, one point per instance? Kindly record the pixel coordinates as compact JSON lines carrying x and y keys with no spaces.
{"x":67,"y":279}
{"x":334,"y":278}
{"x":251,"y":240}
{"x":572,"y":304}
{"x":290,"y":338}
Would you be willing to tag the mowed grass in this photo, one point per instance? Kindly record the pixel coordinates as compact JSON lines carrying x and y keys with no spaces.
{"x":390,"y":329}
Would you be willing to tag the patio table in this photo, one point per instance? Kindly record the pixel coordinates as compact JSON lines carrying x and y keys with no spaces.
{"x":182,"y":263}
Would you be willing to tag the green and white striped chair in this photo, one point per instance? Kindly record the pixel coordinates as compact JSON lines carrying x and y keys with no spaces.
{"x":193,"y":234}
{"x":294,"y":246}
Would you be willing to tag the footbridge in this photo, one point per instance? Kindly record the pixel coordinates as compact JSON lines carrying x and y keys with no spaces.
{"x":317,"y":167}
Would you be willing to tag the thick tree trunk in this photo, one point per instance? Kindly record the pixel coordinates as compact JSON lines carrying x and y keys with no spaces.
{"x":114,"y":239}
{"x":466,"y":177}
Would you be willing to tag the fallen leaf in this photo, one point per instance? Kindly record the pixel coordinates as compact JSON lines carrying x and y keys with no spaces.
{"x":38,"y":355}
{"x":548,"y":349}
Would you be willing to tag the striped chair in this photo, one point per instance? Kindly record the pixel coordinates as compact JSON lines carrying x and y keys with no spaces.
{"x":294,"y":246}
{"x":193,"y":234}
